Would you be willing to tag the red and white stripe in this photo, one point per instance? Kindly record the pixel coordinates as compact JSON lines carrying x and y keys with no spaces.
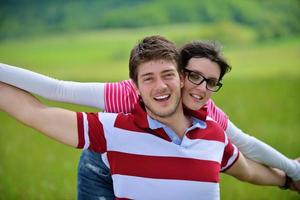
{"x":164,"y":189}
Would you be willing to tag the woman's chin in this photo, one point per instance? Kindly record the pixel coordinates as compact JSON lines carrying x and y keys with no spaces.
{"x":195,"y":106}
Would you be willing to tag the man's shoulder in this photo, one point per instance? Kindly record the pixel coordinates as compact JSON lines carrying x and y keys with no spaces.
{"x":104,"y":117}
{"x":214,"y":130}
{"x":214,"y":125}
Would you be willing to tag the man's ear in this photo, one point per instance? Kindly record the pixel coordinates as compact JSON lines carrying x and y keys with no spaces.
{"x":136,"y":88}
{"x":181,"y":76}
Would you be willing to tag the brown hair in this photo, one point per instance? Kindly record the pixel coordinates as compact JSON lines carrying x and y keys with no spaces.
{"x":203,"y":49}
{"x":151,"y":48}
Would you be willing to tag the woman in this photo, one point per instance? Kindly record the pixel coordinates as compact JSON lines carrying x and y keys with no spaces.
{"x":200,"y":82}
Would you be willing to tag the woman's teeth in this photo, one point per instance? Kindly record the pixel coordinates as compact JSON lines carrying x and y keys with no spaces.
{"x":196,"y":96}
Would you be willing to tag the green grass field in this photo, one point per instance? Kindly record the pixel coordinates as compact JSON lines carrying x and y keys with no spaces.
{"x":261,"y":96}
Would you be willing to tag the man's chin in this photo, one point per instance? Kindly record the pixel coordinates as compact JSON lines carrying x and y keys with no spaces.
{"x":161,"y":113}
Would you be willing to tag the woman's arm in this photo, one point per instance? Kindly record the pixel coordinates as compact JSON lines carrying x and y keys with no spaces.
{"x":111,"y":97}
{"x":253,"y":148}
{"x":88,"y":94}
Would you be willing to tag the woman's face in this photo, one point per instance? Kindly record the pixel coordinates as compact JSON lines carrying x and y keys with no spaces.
{"x":195,"y":96}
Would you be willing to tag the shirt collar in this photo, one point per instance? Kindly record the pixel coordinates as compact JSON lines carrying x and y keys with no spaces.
{"x":154,"y":124}
{"x":143,"y":120}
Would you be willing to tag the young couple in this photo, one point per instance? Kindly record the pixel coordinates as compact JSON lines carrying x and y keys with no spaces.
{"x":163,"y":149}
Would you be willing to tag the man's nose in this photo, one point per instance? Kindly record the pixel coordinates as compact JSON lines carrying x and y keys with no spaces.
{"x":160,"y":83}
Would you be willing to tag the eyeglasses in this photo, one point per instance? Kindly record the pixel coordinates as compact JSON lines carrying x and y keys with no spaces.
{"x":196,"y":78}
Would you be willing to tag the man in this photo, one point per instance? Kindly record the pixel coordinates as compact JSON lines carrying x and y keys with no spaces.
{"x":189,"y":169}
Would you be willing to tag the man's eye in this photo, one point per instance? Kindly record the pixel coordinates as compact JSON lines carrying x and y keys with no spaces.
{"x":148,"y":79}
{"x":171,"y":75}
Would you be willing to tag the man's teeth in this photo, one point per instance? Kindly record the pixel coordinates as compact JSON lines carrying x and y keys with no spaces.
{"x":162,"y":97}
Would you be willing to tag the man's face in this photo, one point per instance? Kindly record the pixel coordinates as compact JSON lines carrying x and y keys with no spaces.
{"x":195,"y":96}
{"x":159,"y":85}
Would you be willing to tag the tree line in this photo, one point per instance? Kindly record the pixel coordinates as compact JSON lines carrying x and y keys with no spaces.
{"x":269,"y":18}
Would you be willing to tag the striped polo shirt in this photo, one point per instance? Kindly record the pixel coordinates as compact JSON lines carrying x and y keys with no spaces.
{"x":146,"y":164}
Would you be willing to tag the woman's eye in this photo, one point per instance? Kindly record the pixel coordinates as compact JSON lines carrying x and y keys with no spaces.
{"x":195,"y":76}
{"x":212,"y":83}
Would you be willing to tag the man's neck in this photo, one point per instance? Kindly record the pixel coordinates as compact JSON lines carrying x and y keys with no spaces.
{"x":178,"y":121}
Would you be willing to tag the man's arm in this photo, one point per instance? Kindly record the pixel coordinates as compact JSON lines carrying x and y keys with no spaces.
{"x":261,"y":152}
{"x":296,"y":184}
{"x":252,"y":172}
{"x":56,"y":123}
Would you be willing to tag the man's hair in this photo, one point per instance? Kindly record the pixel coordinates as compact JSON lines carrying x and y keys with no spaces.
{"x":152,"y":48}
{"x":203,"y":49}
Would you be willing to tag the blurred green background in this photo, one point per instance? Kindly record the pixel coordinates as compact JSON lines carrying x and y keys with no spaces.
{"x":91,"y":41}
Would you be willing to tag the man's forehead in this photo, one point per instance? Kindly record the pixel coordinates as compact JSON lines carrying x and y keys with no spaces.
{"x":156,"y":66}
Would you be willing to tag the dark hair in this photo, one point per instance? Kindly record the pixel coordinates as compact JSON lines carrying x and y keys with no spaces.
{"x":203,"y":49}
{"x":152,"y":48}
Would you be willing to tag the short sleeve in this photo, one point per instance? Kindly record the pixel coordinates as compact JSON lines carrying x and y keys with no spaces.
{"x":90,"y":132}
{"x":230,"y":155}
{"x":120,"y":96}
{"x":217,"y":114}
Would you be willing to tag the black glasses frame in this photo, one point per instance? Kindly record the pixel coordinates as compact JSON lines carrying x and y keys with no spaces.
{"x":189,"y":72}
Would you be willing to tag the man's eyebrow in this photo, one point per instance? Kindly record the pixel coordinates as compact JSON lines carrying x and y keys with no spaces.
{"x":147,"y":74}
{"x":169,"y":70}
{"x":163,"y":72}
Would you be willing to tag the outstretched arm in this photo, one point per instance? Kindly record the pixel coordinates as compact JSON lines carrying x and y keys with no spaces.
{"x":252,"y":172}
{"x":56,"y":123}
{"x":261,"y":152}
{"x":88,"y":94}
